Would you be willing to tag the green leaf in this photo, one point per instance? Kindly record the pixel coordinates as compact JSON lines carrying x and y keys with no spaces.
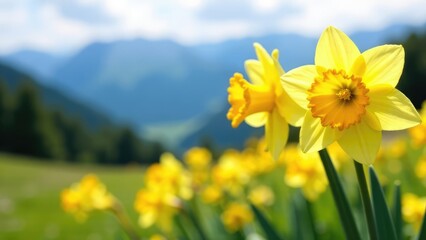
{"x":385,"y":226}
{"x":396,"y":210}
{"x":422,"y":233}
{"x":366,"y":202}
{"x":345,"y":212}
{"x":303,"y":218}
{"x":269,"y":230}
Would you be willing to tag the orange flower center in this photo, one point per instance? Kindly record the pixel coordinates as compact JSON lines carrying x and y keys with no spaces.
{"x":246,"y":99}
{"x":338,"y":99}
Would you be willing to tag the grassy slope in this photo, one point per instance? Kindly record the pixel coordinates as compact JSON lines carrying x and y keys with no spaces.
{"x":30,"y":204}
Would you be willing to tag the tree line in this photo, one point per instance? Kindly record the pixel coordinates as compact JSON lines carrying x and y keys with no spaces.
{"x":30,"y":128}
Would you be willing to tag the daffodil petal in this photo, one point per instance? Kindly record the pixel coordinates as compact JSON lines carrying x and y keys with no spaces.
{"x":361,"y":142}
{"x":372,"y":121}
{"x":297,"y":82}
{"x":275,"y":56}
{"x":292,"y":112}
{"x":267,"y":63}
{"x":254,"y":71}
{"x":257,"y":119}
{"x":313,"y":136}
{"x":335,"y":50}
{"x":384,"y":65}
{"x":276,"y":133}
{"x":147,"y":219}
{"x":393,"y":109}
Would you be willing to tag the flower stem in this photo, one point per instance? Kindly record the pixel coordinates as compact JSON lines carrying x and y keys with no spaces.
{"x":124,"y":220}
{"x":194,"y":221}
{"x":344,"y":210}
{"x":366,"y":202}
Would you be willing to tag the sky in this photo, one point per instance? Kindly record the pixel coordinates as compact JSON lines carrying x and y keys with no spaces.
{"x":61,"y":26}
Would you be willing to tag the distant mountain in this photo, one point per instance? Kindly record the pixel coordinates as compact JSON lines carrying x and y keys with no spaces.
{"x":216,"y":129}
{"x":144,"y":82}
{"x":39,"y":64}
{"x":54,"y":98}
{"x":149,"y":82}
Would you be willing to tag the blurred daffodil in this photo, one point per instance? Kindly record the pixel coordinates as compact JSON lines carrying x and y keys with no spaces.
{"x":170,"y":176}
{"x":84,"y":197}
{"x":198,"y":161}
{"x":261,"y":196}
{"x":212,"y":194}
{"x":236,"y":216}
{"x":229,"y":172}
{"x":413,"y":209}
{"x":305,"y":171}
{"x":156,"y":206}
{"x":350,"y":97}
{"x":418,"y":133}
{"x":420,"y":168}
{"x":198,"y":158}
{"x":263,"y":101}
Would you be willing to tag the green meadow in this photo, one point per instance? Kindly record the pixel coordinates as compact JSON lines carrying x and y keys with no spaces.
{"x":30,"y":199}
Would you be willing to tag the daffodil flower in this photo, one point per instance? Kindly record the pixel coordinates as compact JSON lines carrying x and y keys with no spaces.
{"x":350,"y":97}
{"x":263,"y":101}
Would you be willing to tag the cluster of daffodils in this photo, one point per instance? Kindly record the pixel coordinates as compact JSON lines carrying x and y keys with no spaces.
{"x":86,"y":196}
{"x":347,"y":97}
{"x":341,"y":104}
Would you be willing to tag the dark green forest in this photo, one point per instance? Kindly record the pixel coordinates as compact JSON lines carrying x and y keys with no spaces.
{"x":413,"y":79}
{"x":29,"y":127}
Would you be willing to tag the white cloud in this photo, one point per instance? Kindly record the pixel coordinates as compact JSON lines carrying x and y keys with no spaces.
{"x":45,"y":25}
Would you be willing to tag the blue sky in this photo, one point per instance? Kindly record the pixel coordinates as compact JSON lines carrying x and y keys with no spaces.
{"x":65,"y":25}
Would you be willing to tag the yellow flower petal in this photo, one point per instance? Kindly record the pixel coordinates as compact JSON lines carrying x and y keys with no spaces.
{"x":291,"y":111}
{"x":393,"y":109}
{"x":254,"y":71}
{"x":257,"y":119}
{"x":372,"y":121}
{"x":276,"y":133}
{"x":384,"y":65}
{"x":313,"y":136}
{"x":297,"y":82}
{"x":275,"y":55}
{"x":361,"y":142}
{"x":335,"y":50}
{"x":147,"y":219}
{"x":267,"y":63}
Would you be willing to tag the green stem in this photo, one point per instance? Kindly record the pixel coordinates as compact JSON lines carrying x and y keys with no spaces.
{"x":196,"y":225}
{"x":366,"y":202}
{"x":181,"y":228}
{"x":124,"y":220}
{"x":344,"y":210}
{"x":311,"y":218}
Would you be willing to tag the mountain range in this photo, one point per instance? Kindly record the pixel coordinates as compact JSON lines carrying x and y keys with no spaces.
{"x":55,"y":99}
{"x":148,"y":83}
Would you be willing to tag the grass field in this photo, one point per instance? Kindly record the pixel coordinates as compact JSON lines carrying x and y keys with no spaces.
{"x":30,"y":198}
{"x":30,"y":205}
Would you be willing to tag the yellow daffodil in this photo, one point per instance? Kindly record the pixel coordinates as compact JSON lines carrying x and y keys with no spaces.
{"x":413,"y":209}
{"x":418,"y":133}
{"x":156,"y":206}
{"x":304,"y":170}
{"x":263,"y":102}
{"x":420,"y":168}
{"x":87,"y":195}
{"x":236,"y":216}
{"x":261,"y":196}
{"x":350,"y":97}
{"x":198,"y":158}
{"x":212,"y":194}
{"x":169,"y":175}
{"x":229,"y":172}
{"x":198,"y":161}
